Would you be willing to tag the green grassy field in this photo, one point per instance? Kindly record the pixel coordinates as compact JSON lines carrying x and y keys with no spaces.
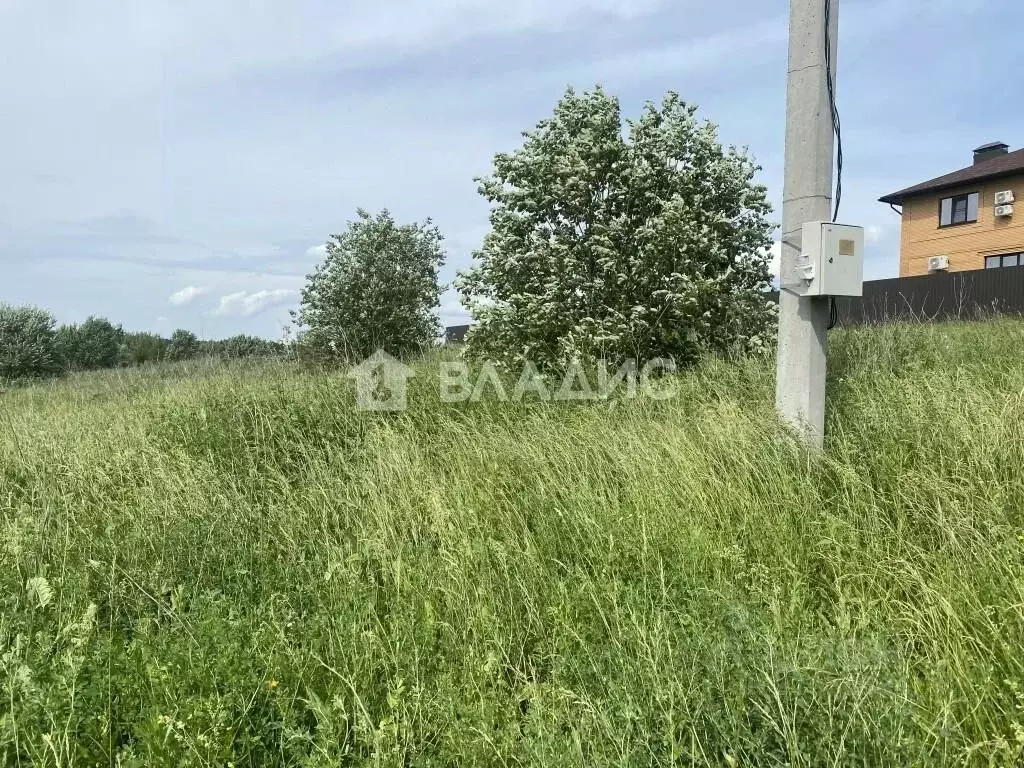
{"x":233,"y":566}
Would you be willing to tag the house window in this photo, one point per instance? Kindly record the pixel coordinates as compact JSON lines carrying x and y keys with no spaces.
{"x":1004,"y":260}
{"x":959,"y":209}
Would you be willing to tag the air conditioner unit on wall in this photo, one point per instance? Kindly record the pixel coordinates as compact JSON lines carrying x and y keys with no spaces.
{"x":1004,"y":198}
{"x":1004,"y":210}
{"x":938,"y":263}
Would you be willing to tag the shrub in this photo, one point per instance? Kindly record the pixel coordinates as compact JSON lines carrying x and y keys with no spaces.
{"x":141,"y":348}
{"x":94,"y":344}
{"x":27,"y":344}
{"x":242,"y":346}
{"x":183,"y":345}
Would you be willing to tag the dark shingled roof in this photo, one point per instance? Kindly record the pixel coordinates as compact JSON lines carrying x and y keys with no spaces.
{"x":993,"y":168}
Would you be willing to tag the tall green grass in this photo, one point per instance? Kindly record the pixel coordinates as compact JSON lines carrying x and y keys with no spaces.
{"x":236,"y":567}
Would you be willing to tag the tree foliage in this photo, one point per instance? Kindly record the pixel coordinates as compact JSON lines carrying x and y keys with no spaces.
{"x":32,"y":347}
{"x":377,"y":288}
{"x":242,"y":346}
{"x":141,"y":348}
{"x":183,"y":345}
{"x":605,"y":243}
{"x":27,"y":344}
{"x":94,"y":344}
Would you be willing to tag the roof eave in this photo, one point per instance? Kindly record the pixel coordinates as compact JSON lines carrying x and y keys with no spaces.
{"x":898,"y":198}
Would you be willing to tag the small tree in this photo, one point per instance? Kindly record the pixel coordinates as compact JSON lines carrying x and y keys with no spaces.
{"x":65,"y":344}
{"x":141,"y":348}
{"x":27,"y":348}
{"x":376,"y":289}
{"x":184,"y":345}
{"x":605,"y":245}
{"x":94,"y":344}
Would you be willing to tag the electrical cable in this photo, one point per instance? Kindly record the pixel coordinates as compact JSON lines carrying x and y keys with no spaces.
{"x":838,"y":130}
{"x":836,"y":124}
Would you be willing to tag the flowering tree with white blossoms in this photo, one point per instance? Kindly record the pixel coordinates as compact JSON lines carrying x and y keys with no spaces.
{"x":609,"y":244}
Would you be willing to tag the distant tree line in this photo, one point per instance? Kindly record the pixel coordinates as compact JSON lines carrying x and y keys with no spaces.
{"x":33,"y":346}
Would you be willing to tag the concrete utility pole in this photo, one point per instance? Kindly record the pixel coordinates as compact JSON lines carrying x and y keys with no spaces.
{"x":807,"y":196}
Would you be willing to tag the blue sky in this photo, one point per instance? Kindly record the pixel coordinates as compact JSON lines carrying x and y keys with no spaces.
{"x":176,"y":164}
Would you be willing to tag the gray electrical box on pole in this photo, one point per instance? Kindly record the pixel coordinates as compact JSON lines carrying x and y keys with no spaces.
{"x":807,"y":197}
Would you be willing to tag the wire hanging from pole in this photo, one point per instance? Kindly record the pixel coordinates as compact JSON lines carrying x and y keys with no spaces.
{"x":838,"y":130}
{"x":836,"y":124}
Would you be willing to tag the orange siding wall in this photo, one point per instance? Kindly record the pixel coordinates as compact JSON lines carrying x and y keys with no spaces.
{"x":966,"y":245}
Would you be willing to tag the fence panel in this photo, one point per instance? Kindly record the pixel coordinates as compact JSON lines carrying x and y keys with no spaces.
{"x":940,"y":296}
{"x":967,"y":295}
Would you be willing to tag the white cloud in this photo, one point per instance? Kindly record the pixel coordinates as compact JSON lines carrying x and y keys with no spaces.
{"x":690,"y":56}
{"x":256,"y":251}
{"x":187,"y":295}
{"x":451,"y":311}
{"x":874,"y":233}
{"x":246,"y":304}
{"x":318,"y":252}
{"x":204,"y":41}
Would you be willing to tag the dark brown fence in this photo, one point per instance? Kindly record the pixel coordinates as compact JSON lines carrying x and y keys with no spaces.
{"x":931,"y":298}
{"x":941,"y":296}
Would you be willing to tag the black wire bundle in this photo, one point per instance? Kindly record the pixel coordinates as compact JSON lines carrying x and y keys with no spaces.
{"x":836,"y":125}
{"x":838,"y":130}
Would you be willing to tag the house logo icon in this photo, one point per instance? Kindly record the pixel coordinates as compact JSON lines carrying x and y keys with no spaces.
{"x":381,"y":382}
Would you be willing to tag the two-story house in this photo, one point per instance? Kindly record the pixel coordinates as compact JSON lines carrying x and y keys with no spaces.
{"x":966,"y":219}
